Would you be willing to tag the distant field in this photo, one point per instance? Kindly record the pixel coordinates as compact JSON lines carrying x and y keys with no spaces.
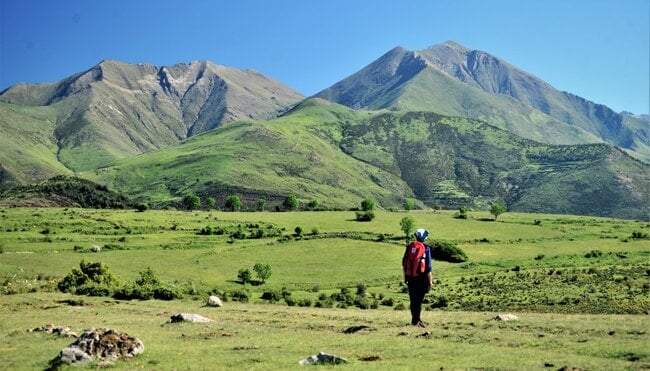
{"x":579,"y":284}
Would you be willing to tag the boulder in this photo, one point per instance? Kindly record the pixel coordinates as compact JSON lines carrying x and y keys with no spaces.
{"x":214,"y":301}
{"x":188,"y":317}
{"x":104,"y":345}
{"x":323,"y":359}
{"x":73,"y":356}
{"x":505,"y":317}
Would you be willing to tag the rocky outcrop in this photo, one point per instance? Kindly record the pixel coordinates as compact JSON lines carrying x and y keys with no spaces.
{"x":188,"y":317}
{"x":102,"y":344}
{"x":323,"y":359}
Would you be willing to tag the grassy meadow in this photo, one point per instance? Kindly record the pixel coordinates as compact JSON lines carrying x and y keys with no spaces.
{"x":580,"y":286}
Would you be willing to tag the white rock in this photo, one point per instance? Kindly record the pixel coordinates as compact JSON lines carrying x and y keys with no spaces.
{"x":214,"y":301}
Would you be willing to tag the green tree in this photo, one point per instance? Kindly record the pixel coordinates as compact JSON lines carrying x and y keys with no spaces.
{"x":263,"y":271}
{"x":233,"y":203}
{"x":407,"y":225}
{"x":497,"y":209}
{"x":245,"y":275}
{"x":210,"y":202}
{"x":291,"y":202}
{"x":191,"y":202}
{"x":409,"y":204}
{"x":261,"y":204}
{"x":368,"y":204}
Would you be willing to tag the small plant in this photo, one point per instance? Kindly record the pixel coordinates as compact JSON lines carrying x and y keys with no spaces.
{"x":298,"y":231}
{"x":141,"y":207}
{"x":539,"y":257}
{"x":636,"y":235}
{"x":447,"y":251}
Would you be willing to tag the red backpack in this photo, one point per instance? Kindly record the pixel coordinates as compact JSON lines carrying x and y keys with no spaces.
{"x":415,"y":259}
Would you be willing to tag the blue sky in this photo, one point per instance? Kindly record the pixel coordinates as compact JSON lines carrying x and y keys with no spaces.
{"x":596,"y":49}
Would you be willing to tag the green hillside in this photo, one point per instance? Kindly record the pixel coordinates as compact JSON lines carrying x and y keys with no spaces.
{"x":29,"y":147}
{"x":338,"y":156}
{"x":260,"y":159}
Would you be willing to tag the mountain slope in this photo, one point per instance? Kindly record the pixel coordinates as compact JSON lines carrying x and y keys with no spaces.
{"x":116,"y":110}
{"x":29,"y":147}
{"x":259,"y":159}
{"x":453,"y":80}
{"x":327,"y":152}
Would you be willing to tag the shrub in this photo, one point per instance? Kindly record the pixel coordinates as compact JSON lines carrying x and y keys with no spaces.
{"x":365,"y":216}
{"x":271,"y":296}
{"x":389,"y":302}
{"x":210,"y":202}
{"x":205,"y":231}
{"x":593,"y":254}
{"x":447,"y":251}
{"x":244,"y":275}
{"x":239,"y":295}
{"x":497,"y":209}
{"x":462,"y":212}
{"x":191,"y":202}
{"x":361,"y":289}
{"x":261,"y":204}
{"x":93,"y":279}
{"x":409,"y":204}
{"x":291,"y":202}
{"x":636,"y":235}
{"x":141,"y":207}
{"x":298,"y":231}
{"x":313,"y":204}
{"x":368,"y":204}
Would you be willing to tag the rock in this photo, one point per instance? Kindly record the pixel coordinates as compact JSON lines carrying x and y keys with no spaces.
{"x":56,"y":330}
{"x":323,"y":359}
{"x":105,"y":345}
{"x":95,"y":248}
{"x":73,"y":356}
{"x":505,"y":317}
{"x":214,"y":301}
{"x":188,"y":317}
{"x":425,"y":335}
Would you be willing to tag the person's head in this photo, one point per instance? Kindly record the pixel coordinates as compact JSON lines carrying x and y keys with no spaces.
{"x":421,"y":234}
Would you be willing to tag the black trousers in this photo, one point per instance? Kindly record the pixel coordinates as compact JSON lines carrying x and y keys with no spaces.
{"x":417,"y":289}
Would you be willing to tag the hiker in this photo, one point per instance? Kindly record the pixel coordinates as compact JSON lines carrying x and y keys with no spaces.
{"x":416,"y":264}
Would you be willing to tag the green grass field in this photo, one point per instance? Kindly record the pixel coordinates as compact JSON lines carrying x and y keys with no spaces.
{"x":580,"y":286}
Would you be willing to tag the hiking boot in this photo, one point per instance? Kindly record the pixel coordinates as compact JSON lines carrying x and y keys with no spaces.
{"x":421,"y":324}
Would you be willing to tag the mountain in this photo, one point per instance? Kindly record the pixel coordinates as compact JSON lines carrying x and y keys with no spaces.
{"x":117,"y":110}
{"x":324,"y":151}
{"x":453,"y":80}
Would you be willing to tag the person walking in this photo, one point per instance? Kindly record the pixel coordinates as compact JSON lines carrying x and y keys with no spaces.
{"x":416,"y":265}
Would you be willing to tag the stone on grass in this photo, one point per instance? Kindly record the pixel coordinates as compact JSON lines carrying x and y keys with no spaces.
{"x":188,"y":317}
{"x":95,"y":248}
{"x":323,"y":359}
{"x":73,"y":356}
{"x":505,"y":317}
{"x":56,"y":330}
{"x":214,"y":301}
{"x":104,"y":345}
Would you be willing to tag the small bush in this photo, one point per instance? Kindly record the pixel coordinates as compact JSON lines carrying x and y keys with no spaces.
{"x":447,"y":251}
{"x":636,"y":235}
{"x":539,"y":257}
{"x":141,"y":207}
{"x":593,"y":254}
{"x":365,"y":216}
{"x":240,"y":295}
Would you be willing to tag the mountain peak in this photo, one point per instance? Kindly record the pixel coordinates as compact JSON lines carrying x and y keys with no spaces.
{"x":454,"y":45}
